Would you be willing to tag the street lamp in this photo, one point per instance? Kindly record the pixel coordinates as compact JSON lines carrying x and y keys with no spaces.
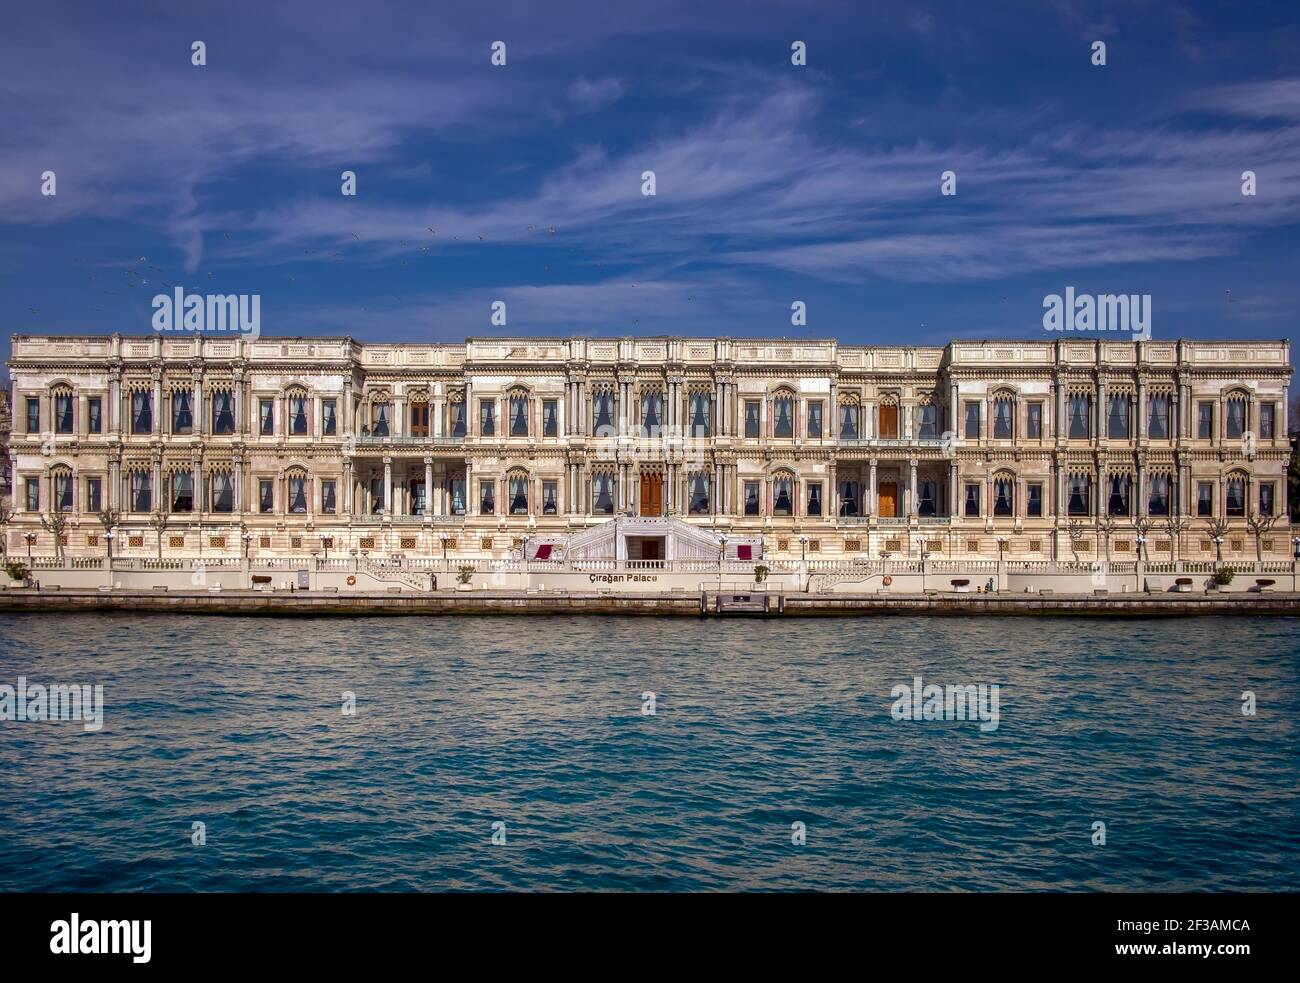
{"x":325,"y":545}
{"x":722,"y":556}
{"x":1141,"y":542}
{"x":31,"y":541}
{"x":803,"y":550}
{"x":108,"y":538}
{"x":248,"y":541}
{"x":444,"y":552}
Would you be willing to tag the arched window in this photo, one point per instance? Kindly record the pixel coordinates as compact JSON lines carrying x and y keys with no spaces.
{"x":517,"y":488}
{"x":1159,"y":404}
{"x":1004,"y":414}
{"x":652,"y":411}
{"x":602,"y":493}
{"x":700,"y":413}
{"x":298,"y":423}
{"x":1078,"y":493}
{"x":296,"y":489}
{"x":1118,"y":409}
{"x":182,"y":406}
{"x":379,"y":416}
{"x":141,"y":410}
{"x":1235,"y":488}
{"x":1236,"y":421}
{"x":927,"y":427}
{"x":139,"y":487}
{"x":221,"y":489}
{"x":419,"y":413}
{"x":456,"y":414}
{"x":783,"y":413}
{"x":61,"y":478}
{"x":223,"y":410}
{"x":602,"y":410}
{"x":63,"y":413}
{"x":1159,"y":486}
{"x":1004,"y":494}
{"x":783,"y":493}
{"x":1117,"y":498}
{"x":850,"y":417}
{"x":889,"y":417}
{"x":180,"y":489}
{"x":699,"y":498}
{"x":1079,"y":414}
{"x":518,"y":413}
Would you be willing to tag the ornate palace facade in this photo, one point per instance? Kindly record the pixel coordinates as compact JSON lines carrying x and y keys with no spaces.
{"x":194,"y":445}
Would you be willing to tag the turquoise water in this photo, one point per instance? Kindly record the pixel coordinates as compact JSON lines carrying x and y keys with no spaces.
{"x":537,"y":723}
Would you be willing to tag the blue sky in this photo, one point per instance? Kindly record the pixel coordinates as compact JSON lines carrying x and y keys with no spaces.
{"x":775,"y":182}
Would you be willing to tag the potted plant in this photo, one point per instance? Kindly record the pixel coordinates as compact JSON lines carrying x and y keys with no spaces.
{"x":16,"y":571}
{"x":760,"y":573}
{"x":1223,"y":577}
{"x":463,"y":578}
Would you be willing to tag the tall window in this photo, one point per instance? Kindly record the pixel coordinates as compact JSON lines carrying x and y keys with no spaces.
{"x":699,"y":503}
{"x":972,"y":508}
{"x":1266,"y":498}
{"x":753,"y":505}
{"x":1158,"y":495}
{"x":1034,"y":421}
{"x":1266,"y":421}
{"x":602,"y":493}
{"x":94,"y":495}
{"x":1236,"y":418}
{"x":141,"y":491}
{"x":1080,"y":407}
{"x":63,"y":414}
{"x":329,"y":420}
{"x":419,"y":497}
{"x":972,"y":421}
{"x":550,"y":418}
{"x":1236,"y":496}
{"x":1002,"y":412}
{"x":457,"y":408}
{"x":265,"y":495}
{"x":141,"y":412}
{"x":1205,"y":420}
{"x":518,"y":415}
{"x":457,"y":496}
{"x":298,"y":492}
{"x":33,"y":414}
{"x":298,"y":414}
{"x":815,"y":418}
{"x":1034,"y":507}
{"x":1077,"y":490}
{"x":329,"y":496}
{"x":751,"y":417}
{"x":223,"y":492}
{"x":850,"y":498}
{"x":699,"y":410}
{"x":926,"y":492}
{"x":929,"y":428}
{"x":266,"y":417}
{"x":32,"y":489}
{"x":1002,"y":496}
{"x":1204,"y":498}
{"x":814,"y":498}
{"x":379,"y":420}
{"x":487,"y":420}
{"x":518,"y":494}
{"x":182,"y":411}
{"x":602,"y":414}
{"x":419,"y":419}
{"x":94,"y":415}
{"x":550,"y":498}
{"x":850,"y":415}
{"x":182,"y":491}
{"x":223,"y":412}
{"x":1117,"y":418}
{"x":783,"y":416}
{"x":652,"y":409}
{"x":783,"y":495}
{"x":63,"y":491}
{"x":1117,"y":501}
{"x":487,"y":497}
{"x":377,"y":504}
{"x":1158,"y":417}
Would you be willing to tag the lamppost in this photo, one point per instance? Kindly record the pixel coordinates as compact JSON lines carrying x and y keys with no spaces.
{"x":722,"y":556}
{"x":1002,"y":545}
{"x":325,"y":545}
{"x":31,"y":541}
{"x":353,"y":553}
{"x":1295,"y":559}
{"x":444,"y":554}
{"x":803,"y":550}
{"x":925,"y":555}
{"x":108,"y":539}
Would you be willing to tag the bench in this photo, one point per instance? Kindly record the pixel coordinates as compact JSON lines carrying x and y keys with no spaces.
{"x":1183,"y":585}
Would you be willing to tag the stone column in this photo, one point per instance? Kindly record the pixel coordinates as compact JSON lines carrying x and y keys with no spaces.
{"x":238,"y":504}
{"x":388,"y":486}
{"x":871,"y":492}
{"x":911,"y":493}
{"x":1141,"y":428}
{"x":954,"y":504}
{"x":428,"y":487}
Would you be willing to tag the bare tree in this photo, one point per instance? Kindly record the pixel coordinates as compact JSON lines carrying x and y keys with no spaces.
{"x":1174,"y":525}
{"x":1074,"y":529}
{"x":1143,"y":526}
{"x":1218,"y":528}
{"x":1106,"y":526}
{"x":158,"y":523}
{"x":57,"y":524}
{"x":1260,"y":524}
{"x":108,"y":519}
{"x":6,"y":517}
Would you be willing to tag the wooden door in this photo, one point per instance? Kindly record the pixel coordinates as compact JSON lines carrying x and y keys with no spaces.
{"x":889,"y":421}
{"x":888,"y":499}
{"x":651,"y":494}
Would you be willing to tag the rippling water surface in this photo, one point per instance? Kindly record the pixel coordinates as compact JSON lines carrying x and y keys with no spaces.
{"x":538,"y":723}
